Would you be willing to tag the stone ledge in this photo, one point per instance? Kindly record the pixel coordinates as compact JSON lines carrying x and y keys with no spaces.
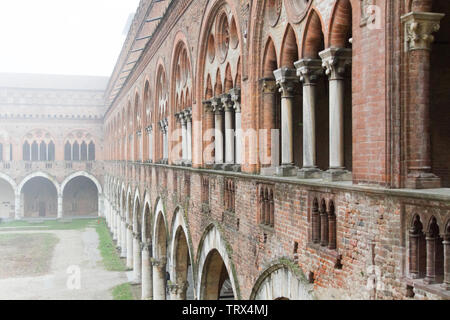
{"x":442,"y":194}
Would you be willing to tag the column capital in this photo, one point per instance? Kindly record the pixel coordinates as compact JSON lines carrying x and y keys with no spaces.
{"x":227,"y":102}
{"x":268,"y":85}
{"x":159,"y":263}
{"x":181,"y":118}
{"x":419,"y":27}
{"x":207,"y":105}
{"x":236,"y":98}
{"x":335,"y":61}
{"x":188,"y":114}
{"x":147,"y":247}
{"x":309,"y":70}
{"x":149,"y":129}
{"x":287,"y":80}
{"x":217,"y":105}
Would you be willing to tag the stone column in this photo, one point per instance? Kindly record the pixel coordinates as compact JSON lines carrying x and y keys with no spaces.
{"x":309,"y":70}
{"x":218,"y":134}
{"x":188,"y":115}
{"x":17,"y":211}
{"x":178,"y":291}
{"x":236,"y":98}
{"x":419,"y":27}
{"x":137,"y":260}
{"x":229,"y":131}
{"x":315,"y":218}
{"x":287,"y":81}
{"x":150,"y":143}
{"x":60,"y":206}
{"x":446,"y":243}
{"x":166,"y":141}
{"x":123,"y":239}
{"x":323,"y":228}
{"x":147,"y":273}
{"x":208,"y":127}
{"x":183,"y":122}
{"x":129,"y":235}
{"x":414,"y":254}
{"x":159,"y":278}
{"x":430,"y":277}
{"x":335,"y":62}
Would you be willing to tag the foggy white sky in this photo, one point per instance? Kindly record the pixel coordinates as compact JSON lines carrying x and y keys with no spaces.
{"x":80,"y":37}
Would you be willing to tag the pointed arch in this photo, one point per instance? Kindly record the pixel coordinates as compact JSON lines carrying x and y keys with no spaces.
{"x":212,"y":249}
{"x":313,"y":36}
{"x":282,"y":281}
{"x":270,"y":63}
{"x":289,"y":48}
{"x":340,"y":25}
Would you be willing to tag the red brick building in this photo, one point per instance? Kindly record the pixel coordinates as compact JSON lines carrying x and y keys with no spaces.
{"x":281,"y":149}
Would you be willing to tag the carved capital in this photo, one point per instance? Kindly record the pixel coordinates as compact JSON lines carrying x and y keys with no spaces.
{"x":335,"y":61}
{"x":236,"y":98}
{"x":207,"y":105}
{"x":419,"y":29}
{"x":217,"y":105}
{"x":309,"y":71}
{"x":269,"y":85}
{"x":227,"y":102}
{"x":287,"y":81}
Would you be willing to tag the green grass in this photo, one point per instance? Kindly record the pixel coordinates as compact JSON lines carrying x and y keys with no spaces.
{"x":26,"y":254}
{"x":77,"y":224}
{"x":122,"y":292}
{"x":111,"y":259}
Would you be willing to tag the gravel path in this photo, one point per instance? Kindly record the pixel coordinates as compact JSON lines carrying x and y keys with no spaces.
{"x":76,"y":252}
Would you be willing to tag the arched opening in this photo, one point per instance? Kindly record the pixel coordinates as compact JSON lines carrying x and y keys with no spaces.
{"x":7,"y":202}
{"x":440,"y":96}
{"x":315,"y":84}
{"x":291,"y":106}
{"x":43,"y":151}
{"x":271,"y":111}
{"x":215,"y":283}
{"x":160,"y":255}
{"x":80,"y":198}
{"x":91,"y":151}
{"x":51,"y":151}
{"x":68,"y":151}
{"x":338,"y":62}
{"x":183,"y":268}
{"x":83,"y":155}
{"x":76,"y":151}
{"x":39,"y":197}
{"x":26,"y":151}
{"x":280,"y":282}
{"x":35,"y":151}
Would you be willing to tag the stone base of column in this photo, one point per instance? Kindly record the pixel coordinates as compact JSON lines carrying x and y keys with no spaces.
{"x":336,"y":175}
{"x":228,"y":167}
{"x":187,"y":163}
{"x":287,"y":171}
{"x":423,"y":181}
{"x":268,"y":171}
{"x":310,"y":173}
{"x":218,"y":166}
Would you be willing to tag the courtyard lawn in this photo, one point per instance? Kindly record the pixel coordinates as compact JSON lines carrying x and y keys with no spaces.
{"x":111,"y":259}
{"x":26,"y":254}
{"x":122,"y":292}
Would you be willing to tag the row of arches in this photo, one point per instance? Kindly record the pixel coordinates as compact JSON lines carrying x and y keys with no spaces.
{"x":39,"y":195}
{"x":219,"y":91}
{"x":168,"y":266}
